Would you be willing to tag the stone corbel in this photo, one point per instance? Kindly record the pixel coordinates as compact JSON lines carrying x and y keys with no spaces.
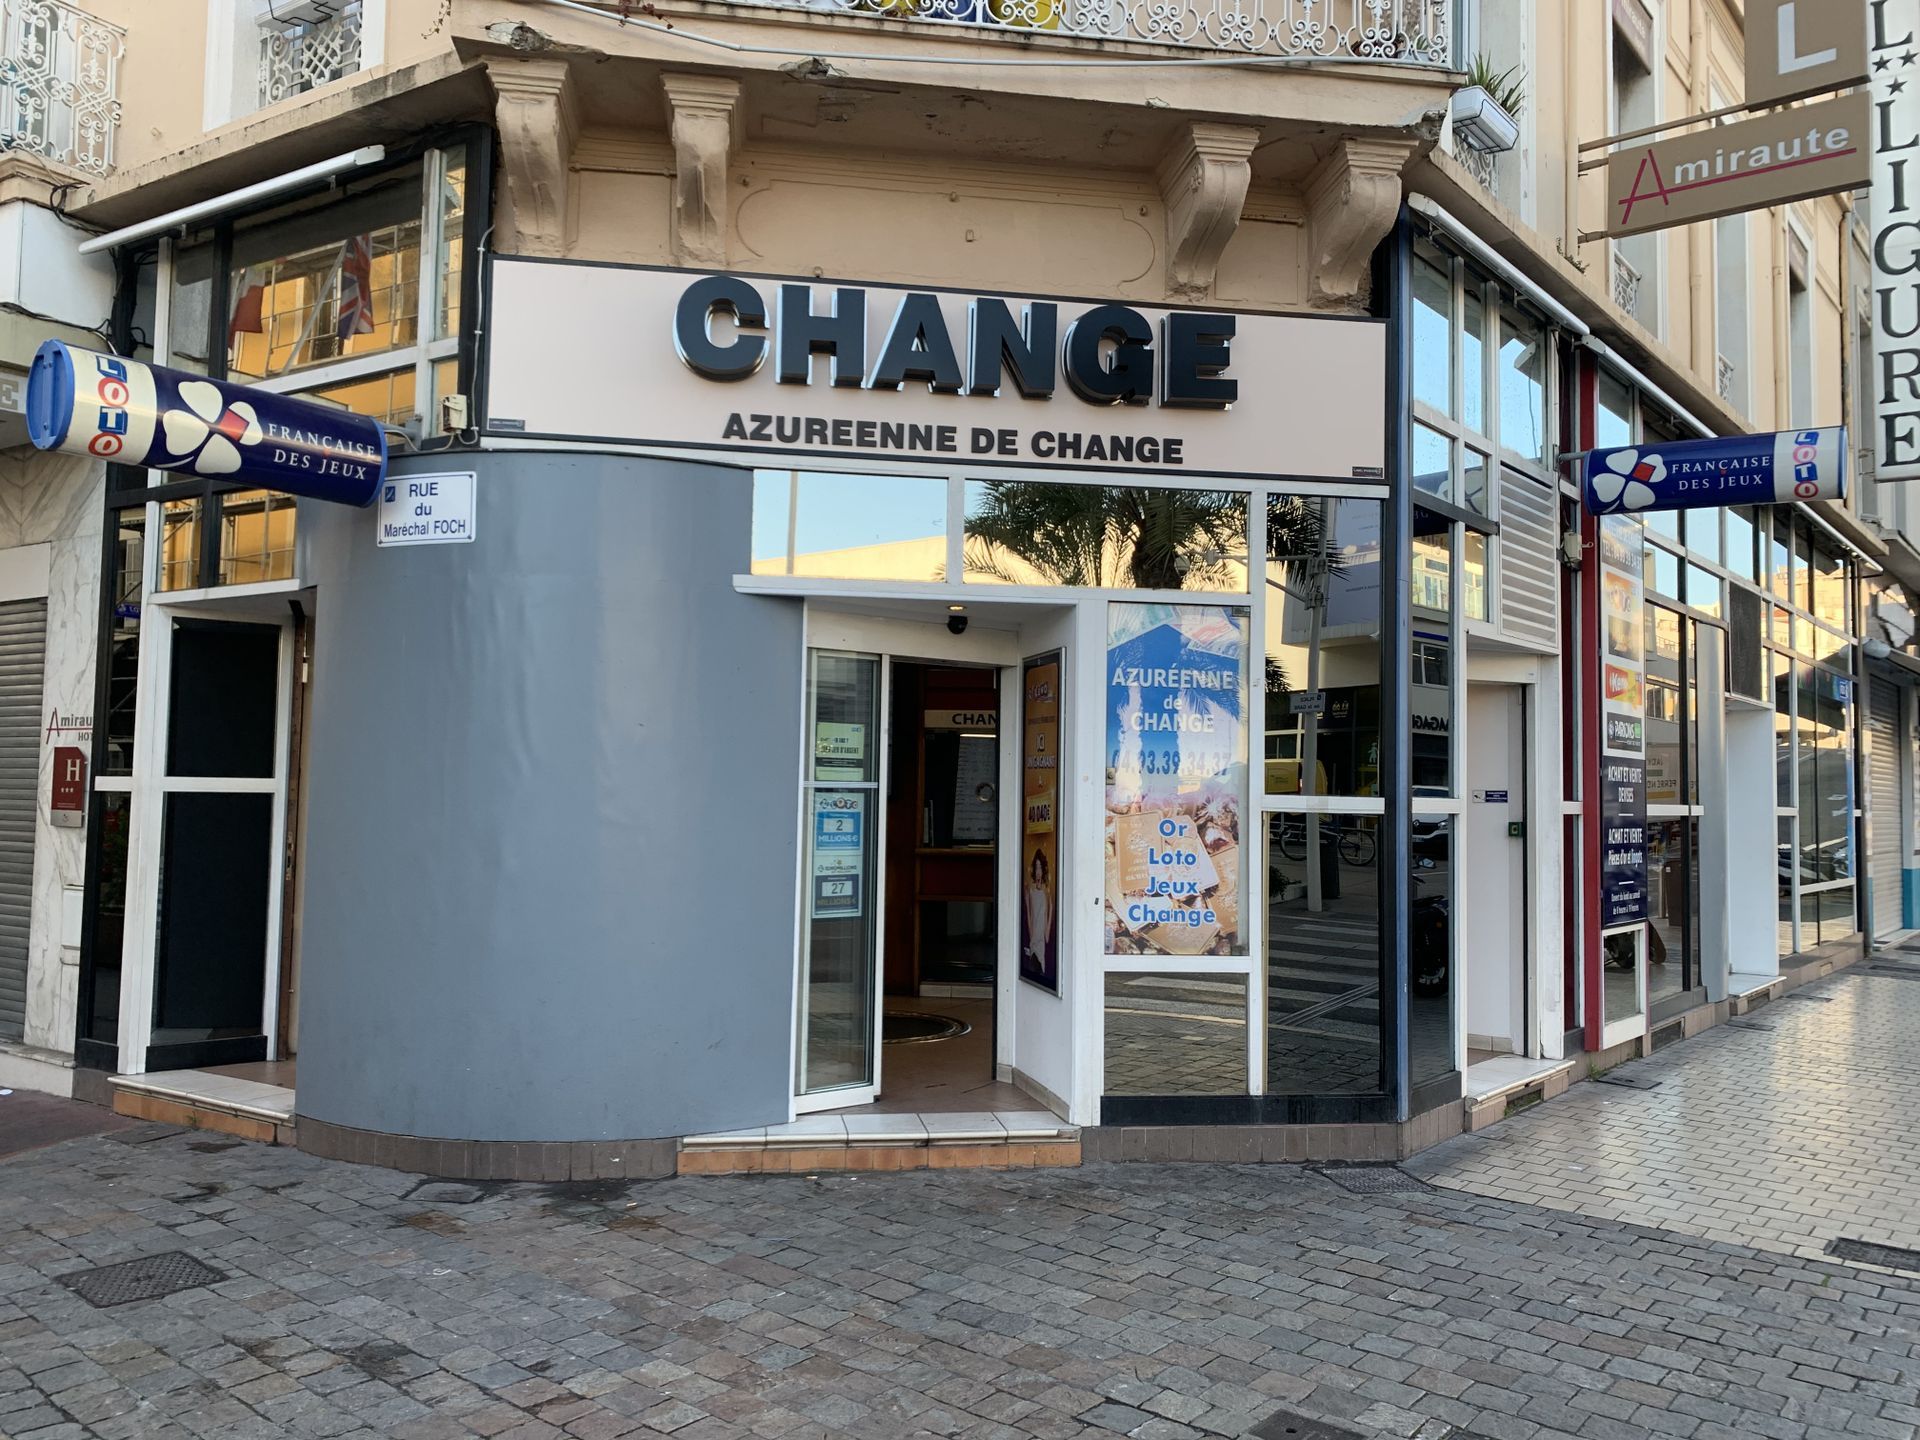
{"x":1203,"y":181}
{"x":706,"y":112}
{"x":1352,"y":202}
{"x":535,"y":111}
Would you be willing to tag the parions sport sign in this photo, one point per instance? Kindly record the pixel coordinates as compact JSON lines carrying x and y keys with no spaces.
{"x":782,"y":371}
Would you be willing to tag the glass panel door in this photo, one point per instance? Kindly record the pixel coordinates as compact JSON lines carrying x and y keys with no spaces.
{"x":839,"y":960}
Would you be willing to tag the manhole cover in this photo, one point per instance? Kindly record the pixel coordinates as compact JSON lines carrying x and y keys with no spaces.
{"x":1370,"y":1180}
{"x":906,"y":1027}
{"x":444,"y":1192}
{"x":1627,"y":1082}
{"x":1865,"y":1252}
{"x":147,"y":1278}
{"x":1285,"y":1425}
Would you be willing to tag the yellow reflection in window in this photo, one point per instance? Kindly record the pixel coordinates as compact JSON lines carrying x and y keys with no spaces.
{"x":180,"y":544}
{"x":256,"y":536}
{"x":356,"y":296}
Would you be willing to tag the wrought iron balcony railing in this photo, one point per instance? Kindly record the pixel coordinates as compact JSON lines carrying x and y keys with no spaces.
{"x":60,"y":83}
{"x":1402,"y":32}
{"x":1626,"y":283}
{"x":319,"y":46}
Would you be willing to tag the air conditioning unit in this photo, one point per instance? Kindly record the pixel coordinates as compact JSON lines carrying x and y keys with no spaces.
{"x":288,"y":13}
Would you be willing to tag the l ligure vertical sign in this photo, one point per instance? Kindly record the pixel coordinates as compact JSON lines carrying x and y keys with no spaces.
{"x":1894,"y":37}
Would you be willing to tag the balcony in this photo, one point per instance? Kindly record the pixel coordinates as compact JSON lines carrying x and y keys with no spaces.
{"x":1378,"y":32}
{"x":60,"y":84}
{"x":1626,"y":284}
{"x":305,"y":44}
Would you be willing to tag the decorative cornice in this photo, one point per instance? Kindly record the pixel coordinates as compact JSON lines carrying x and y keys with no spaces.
{"x":537,"y":117}
{"x":1203,"y":181}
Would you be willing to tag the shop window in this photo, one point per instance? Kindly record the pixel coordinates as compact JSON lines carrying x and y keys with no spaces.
{"x":1433,"y":357}
{"x":1473,"y":359}
{"x":1324,"y":966}
{"x":305,"y":294}
{"x":1787,"y":938}
{"x":1828,"y":588}
{"x":1620,"y":959}
{"x":1176,"y":1034}
{"x":256,"y":536}
{"x":1673,"y":897}
{"x":1703,"y":590}
{"x":849,"y":527}
{"x":1038,"y":532}
{"x":1323,"y":647}
{"x":1476,"y":588}
{"x":180,"y":544}
{"x":1824,"y":777}
{"x":1741,"y":540}
{"x":1614,"y":422}
{"x":1430,"y":1027}
{"x":126,"y":579}
{"x":1432,"y":462}
{"x":106,"y":934}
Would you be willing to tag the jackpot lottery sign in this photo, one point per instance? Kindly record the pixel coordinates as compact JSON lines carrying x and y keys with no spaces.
{"x":779,"y":371}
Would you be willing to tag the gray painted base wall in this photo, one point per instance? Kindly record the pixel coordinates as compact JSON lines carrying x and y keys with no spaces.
{"x":552,"y":812}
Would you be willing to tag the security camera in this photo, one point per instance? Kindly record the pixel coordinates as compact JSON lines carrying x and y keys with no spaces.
{"x":957,"y":624}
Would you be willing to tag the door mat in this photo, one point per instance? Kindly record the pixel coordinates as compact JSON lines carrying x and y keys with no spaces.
{"x":910,"y":1027}
{"x":1865,"y":1252}
{"x":1372,"y":1179}
{"x":147,"y":1278}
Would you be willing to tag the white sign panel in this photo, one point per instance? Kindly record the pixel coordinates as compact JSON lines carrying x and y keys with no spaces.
{"x":426,"y":509}
{"x":1895,"y":38}
{"x":796,"y":372}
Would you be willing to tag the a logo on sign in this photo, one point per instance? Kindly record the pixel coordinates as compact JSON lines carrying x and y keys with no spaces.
{"x":1806,"y":464}
{"x":208,"y":434}
{"x":1627,"y":479}
{"x":110,"y":431}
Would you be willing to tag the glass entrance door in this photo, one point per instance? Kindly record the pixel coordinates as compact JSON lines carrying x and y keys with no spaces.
{"x":838,"y":1039}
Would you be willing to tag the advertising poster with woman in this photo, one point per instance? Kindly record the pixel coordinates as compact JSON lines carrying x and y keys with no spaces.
{"x":1040,"y":821}
{"x":1176,"y":772}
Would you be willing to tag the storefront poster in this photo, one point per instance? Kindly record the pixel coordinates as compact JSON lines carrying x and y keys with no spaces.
{"x":1623,"y":766}
{"x":839,"y":751}
{"x":1040,"y":821}
{"x":1176,"y":772}
{"x":839,"y":853}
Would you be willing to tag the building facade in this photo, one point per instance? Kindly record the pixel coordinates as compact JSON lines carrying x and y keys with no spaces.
{"x":1053,"y":522}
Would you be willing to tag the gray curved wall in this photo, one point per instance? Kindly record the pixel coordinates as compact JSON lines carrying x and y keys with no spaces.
{"x":551,"y":814}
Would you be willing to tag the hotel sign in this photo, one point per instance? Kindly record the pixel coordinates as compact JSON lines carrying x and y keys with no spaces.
{"x":1896,"y":238}
{"x":1817,"y":149}
{"x":1797,"y":48}
{"x":769,"y":370}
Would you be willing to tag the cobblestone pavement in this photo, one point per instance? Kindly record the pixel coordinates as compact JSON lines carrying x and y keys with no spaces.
{"x":1161,"y":1302}
{"x":1783,"y":1138}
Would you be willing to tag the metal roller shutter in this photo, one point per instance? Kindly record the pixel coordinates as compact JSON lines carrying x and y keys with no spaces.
{"x":1886,"y":857}
{"x":23,"y":651}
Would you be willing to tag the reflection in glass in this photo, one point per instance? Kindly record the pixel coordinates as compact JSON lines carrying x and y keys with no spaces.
{"x":1664,"y":710}
{"x":1475,"y":482}
{"x":1620,"y":974}
{"x":1826,"y":778}
{"x":1473,"y":351}
{"x":1323,"y":647}
{"x":1786,"y":885}
{"x":1832,"y":910}
{"x":387,"y":397}
{"x":1703,"y":590}
{"x":1662,"y":570}
{"x":1476,"y":599}
{"x":109,"y":834}
{"x":1432,"y":330}
{"x":1779,"y":564}
{"x":849,"y":527}
{"x":1176,"y":1035}
{"x":1829,"y":575}
{"x":1615,"y":417}
{"x":1037,"y":532}
{"x":1740,"y":542}
{"x":1673,"y":896}
{"x":1430,"y":947}
{"x":1323,"y":955}
{"x":1523,"y":385}
{"x":1431,"y":714}
{"x":256,"y":536}
{"x":123,"y":640}
{"x":453,"y":217}
{"x":180,"y":544}
{"x":841,"y":814}
{"x":1432,"y":462}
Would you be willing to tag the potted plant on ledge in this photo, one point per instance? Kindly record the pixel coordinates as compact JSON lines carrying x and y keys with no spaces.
{"x":1486,"y":110}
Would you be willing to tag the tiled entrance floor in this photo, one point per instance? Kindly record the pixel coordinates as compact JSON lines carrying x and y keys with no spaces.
{"x":1781,"y":1138}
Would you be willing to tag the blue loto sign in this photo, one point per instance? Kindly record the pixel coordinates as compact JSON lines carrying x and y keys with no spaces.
{"x":1738,"y":470}
{"x":80,"y":402}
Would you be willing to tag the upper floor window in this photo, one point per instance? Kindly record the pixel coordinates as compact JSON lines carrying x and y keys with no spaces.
{"x":1799,"y":331}
{"x":261,"y":52}
{"x":1636,"y":105}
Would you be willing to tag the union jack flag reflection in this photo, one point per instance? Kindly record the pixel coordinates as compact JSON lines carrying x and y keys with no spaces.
{"x":356,"y":288}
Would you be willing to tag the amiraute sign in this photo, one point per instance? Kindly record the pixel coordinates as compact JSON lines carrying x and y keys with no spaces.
{"x":1816,"y":149}
{"x":1896,"y":238}
{"x":784,"y":371}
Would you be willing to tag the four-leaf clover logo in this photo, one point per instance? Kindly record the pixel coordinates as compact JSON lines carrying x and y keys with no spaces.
{"x":208,"y":434}
{"x":1626,"y":480}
